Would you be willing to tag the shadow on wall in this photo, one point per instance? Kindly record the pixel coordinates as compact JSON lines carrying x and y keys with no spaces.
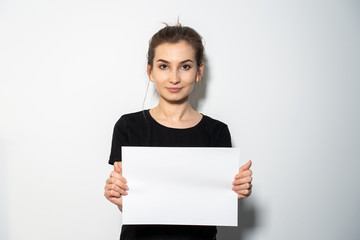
{"x":199,"y":92}
{"x":4,"y":228}
{"x":246,"y":221}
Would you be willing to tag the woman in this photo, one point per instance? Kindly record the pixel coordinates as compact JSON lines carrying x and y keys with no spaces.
{"x":175,"y":64}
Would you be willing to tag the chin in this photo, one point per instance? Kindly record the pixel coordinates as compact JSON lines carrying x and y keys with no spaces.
{"x":176,"y":100}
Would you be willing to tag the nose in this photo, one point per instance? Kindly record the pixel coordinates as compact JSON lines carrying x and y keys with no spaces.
{"x":175,"y":77}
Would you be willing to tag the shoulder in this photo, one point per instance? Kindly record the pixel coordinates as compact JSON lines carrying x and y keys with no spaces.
{"x":135,"y":116}
{"x":213,"y":123}
{"x":218,"y":131}
{"x":130,"y":120}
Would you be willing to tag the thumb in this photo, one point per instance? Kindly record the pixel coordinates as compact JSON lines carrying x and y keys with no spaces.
{"x":117,"y":167}
{"x":246,"y":166}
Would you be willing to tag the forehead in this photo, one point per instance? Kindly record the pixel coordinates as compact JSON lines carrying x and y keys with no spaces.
{"x":174,"y":51}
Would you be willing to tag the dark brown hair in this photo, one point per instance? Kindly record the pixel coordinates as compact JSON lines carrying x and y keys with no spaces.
{"x":174,"y":34}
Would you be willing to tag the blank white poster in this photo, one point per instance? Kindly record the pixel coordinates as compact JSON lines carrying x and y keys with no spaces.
{"x":180,"y":186}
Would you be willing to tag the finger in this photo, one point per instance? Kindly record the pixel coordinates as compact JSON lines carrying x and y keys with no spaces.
{"x":117,"y":175}
{"x":114,"y":188}
{"x":109,"y":193}
{"x":244,"y":194}
{"x":242,"y":186}
{"x":242,"y":180}
{"x":245,"y":186}
{"x":118,"y":183}
{"x":246,"y":173}
{"x":115,"y":200}
{"x":240,"y":196}
{"x":246,"y":166}
{"x":112,"y":193}
{"x":118,"y":167}
{"x":121,"y":185}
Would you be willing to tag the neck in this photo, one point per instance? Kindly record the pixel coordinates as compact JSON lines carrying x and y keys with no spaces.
{"x":174,"y":111}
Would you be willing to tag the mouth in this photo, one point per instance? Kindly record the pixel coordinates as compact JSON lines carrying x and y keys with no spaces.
{"x":174,"y":90}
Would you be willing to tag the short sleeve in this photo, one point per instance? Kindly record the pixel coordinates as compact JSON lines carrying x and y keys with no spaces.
{"x":224,"y":137}
{"x":119,"y":138}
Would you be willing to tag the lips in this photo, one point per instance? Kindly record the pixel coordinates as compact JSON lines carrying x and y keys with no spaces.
{"x":174,"y":90}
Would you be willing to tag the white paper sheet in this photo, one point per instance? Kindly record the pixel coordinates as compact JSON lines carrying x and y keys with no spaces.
{"x":182,"y":186}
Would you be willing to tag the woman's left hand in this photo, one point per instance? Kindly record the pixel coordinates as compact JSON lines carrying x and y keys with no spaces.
{"x":242,"y":181}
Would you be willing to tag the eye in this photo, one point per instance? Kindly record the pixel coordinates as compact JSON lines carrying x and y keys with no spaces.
{"x":163,"y":66}
{"x":186,"y":67}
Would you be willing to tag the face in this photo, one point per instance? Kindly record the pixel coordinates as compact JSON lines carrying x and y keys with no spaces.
{"x":174,"y":71}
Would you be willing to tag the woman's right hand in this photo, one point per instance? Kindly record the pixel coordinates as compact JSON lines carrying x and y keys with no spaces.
{"x":116,"y":186}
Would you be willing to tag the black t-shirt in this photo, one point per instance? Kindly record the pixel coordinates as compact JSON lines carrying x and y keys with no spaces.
{"x":140,"y":129}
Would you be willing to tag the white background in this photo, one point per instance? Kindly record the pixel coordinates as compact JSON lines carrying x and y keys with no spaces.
{"x":284,"y":75}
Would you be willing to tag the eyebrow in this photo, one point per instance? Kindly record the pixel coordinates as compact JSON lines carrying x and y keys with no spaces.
{"x":162,"y":60}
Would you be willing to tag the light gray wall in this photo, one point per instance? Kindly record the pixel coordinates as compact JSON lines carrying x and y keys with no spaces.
{"x":284,"y":75}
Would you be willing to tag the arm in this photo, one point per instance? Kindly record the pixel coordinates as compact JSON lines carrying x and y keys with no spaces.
{"x":116,"y":186}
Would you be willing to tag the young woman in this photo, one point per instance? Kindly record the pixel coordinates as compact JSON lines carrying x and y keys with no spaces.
{"x":175,"y":64}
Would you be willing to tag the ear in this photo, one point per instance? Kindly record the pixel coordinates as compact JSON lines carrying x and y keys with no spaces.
{"x":149,"y":71}
{"x":200,"y":73}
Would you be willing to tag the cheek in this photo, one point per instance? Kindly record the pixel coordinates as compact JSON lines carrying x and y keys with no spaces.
{"x":156,"y":76}
{"x":189,"y":76}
